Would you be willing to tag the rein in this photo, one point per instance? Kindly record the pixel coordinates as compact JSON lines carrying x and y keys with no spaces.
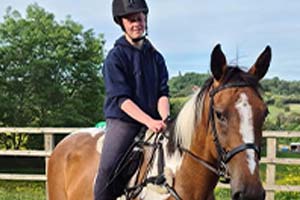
{"x":200,"y":161}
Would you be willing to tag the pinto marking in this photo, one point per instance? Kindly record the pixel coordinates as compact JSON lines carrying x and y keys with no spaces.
{"x":92,"y":131}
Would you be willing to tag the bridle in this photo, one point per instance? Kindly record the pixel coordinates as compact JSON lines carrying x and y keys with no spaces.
{"x":223,"y":156}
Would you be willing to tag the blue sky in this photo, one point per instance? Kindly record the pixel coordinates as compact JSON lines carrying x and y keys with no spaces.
{"x":186,"y":31}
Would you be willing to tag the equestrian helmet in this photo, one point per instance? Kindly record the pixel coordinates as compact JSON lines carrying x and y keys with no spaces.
{"x":121,"y":8}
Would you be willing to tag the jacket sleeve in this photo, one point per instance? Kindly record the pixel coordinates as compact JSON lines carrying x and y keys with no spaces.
{"x":116,"y":81}
{"x":163,"y":77}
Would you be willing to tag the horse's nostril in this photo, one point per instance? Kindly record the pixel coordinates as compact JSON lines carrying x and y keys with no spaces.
{"x":237,"y":196}
{"x":257,"y":195}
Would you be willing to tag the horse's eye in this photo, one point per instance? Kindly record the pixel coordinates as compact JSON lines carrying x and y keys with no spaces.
{"x":220,"y":116}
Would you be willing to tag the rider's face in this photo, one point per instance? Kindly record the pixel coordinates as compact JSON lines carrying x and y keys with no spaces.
{"x":134,"y":24}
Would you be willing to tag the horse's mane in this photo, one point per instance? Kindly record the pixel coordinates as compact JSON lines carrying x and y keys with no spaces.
{"x":182,"y":130}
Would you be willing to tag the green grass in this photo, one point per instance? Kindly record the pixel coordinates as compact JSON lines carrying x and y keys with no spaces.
{"x":222,"y":194}
{"x":274,"y":110}
{"x":288,"y":174}
{"x":30,"y":190}
{"x":295,"y":108}
{"x":22,"y":190}
{"x":287,"y":195}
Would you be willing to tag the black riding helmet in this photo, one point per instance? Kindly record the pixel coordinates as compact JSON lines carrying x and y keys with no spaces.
{"x":121,"y":8}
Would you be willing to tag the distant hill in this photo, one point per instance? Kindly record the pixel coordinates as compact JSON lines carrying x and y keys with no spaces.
{"x":182,"y":85}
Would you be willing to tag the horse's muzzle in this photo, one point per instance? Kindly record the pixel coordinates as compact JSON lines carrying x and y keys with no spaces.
{"x":249,"y":194}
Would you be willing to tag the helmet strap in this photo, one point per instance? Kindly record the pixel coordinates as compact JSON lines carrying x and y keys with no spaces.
{"x":136,"y":40}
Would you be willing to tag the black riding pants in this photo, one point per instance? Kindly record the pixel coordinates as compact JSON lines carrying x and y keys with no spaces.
{"x":119,"y":137}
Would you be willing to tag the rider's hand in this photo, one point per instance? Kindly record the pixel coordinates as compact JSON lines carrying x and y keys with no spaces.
{"x":156,"y":125}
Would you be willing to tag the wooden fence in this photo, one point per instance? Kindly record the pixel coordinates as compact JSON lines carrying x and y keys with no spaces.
{"x":271,"y":160}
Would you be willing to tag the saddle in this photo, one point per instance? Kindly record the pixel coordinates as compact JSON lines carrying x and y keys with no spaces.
{"x":134,"y":159}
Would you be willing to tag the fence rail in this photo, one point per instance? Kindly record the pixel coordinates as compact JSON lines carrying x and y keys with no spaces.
{"x":270,"y":160}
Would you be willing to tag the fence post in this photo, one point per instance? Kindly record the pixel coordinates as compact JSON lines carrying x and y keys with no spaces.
{"x":49,"y":145}
{"x":271,"y":168}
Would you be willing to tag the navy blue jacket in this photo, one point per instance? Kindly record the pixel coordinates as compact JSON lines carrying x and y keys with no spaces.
{"x":138,"y":74}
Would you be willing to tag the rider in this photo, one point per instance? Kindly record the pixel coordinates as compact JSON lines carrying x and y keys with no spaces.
{"x":136,"y":77}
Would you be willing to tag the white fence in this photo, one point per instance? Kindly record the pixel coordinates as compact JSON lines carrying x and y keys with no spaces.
{"x":271,"y":160}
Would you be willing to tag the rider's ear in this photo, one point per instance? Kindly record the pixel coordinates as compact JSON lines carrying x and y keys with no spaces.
{"x":217,"y":62}
{"x":261,"y":66}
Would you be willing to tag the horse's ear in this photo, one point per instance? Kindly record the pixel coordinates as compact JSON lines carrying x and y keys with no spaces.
{"x":261,"y":66}
{"x":217,"y":62}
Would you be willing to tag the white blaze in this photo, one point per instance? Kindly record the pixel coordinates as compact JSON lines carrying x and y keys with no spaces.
{"x":246,"y":127}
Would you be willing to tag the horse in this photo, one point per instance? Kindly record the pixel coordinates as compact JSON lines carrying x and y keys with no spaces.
{"x":216,"y":134}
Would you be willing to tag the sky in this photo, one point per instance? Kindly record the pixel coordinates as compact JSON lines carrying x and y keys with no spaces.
{"x":186,"y":31}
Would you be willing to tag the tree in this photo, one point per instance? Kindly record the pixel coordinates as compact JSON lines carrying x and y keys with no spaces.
{"x":49,"y":71}
{"x":182,"y":85}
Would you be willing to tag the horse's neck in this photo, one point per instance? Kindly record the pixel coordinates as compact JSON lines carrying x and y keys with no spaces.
{"x":193,"y":180}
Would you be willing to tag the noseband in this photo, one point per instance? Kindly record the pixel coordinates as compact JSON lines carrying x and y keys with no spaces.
{"x":223,"y":156}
